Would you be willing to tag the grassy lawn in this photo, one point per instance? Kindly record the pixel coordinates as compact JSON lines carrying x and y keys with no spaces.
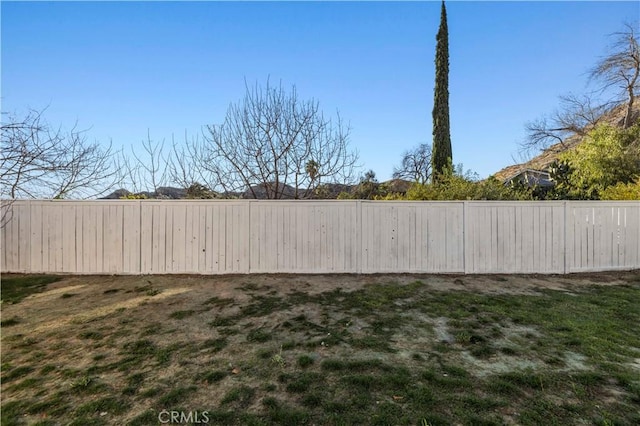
{"x":322,"y":350}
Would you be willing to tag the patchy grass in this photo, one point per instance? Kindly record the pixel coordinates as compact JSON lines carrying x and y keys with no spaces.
{"x":15,"y":288}
{"x":176,"y":396}
{"x":218,"y":302}
{"x":9,"y":322}
{"x":215,"y":344}
{"x":305,"y":361}
{"x":328,"y":350}
{"x":182,"y":314}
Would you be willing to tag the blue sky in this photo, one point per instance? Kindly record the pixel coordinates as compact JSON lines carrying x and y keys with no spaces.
{"x":125,"y":68}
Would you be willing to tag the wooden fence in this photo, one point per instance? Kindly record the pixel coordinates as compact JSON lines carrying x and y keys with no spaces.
{"x":241,"y":236}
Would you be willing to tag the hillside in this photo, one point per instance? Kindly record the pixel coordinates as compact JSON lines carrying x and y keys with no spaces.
{"x":542,"y":161}
{"x":325,"y":191}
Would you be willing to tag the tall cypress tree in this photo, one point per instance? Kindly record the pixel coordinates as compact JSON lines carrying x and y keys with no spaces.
{"x":441,"y":156}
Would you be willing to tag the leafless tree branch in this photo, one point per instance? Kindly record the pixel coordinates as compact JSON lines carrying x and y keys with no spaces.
{"x":620,"y":69}
{"x":576,"y":116}
{"x":40,"y":162}
{"x":147,"y":170}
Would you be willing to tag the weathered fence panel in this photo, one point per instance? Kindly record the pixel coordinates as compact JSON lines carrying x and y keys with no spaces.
{"x":412,"y":237}
{"x":306,"y":238}
{"x":193,"y":237}
{"x":344,"y":236}
{"x":515,"y":237}
{"x":602,"y":236}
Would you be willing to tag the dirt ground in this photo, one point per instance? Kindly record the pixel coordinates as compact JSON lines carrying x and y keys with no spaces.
{"x":98,"y":296}
{"x":182,"y":309}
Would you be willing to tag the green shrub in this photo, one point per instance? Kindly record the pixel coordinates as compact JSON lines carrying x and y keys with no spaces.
{"x":622,"y":191}
{"x":458,"y":187}
{"x":607,"y":157}
{"x":134,"y":197}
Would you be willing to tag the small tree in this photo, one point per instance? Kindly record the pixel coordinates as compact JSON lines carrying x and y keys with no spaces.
{"x":416,"y":165}
{"x":199,"y":191}
{"x":368,"y":186}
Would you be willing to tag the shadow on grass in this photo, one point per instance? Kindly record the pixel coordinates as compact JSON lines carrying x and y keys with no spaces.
{"x":16,"y":288}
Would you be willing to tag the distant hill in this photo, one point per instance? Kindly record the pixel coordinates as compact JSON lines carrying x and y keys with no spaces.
{"x":325,"y":191}
{"x":163,"y":193}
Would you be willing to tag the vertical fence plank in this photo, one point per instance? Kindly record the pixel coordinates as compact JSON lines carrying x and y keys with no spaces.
{"x":169,"y":232}
{"x":132,"y":238}
{"x":80,"y":237}
{"x":54,"y":237}
{"x":69,"y":238}
{"x":146,"y":227}
{"x":36,"y":243}
{"x":24,"y":231}
{"x":89,"y":253}
{"x":156,"y":221}
{"x":202,"y":238}
{"x":633,"y":259}
{"x":11,"y":237}
{"x":178,"y":244}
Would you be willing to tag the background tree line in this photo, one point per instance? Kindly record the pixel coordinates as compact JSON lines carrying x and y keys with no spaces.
{"x":272,"y":144}
{"x":605,"y":164}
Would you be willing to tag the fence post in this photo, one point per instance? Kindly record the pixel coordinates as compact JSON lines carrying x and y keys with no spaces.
{"x":565,"y":242}
{"x":359,"y":248}
{"x":464,"y":236}
{"x":139,"y":237}
{"x":249,"y":240}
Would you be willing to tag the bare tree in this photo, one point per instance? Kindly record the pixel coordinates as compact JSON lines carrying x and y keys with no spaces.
{"x":272,"y":145}
{"x":576,"y":116}
{"x":621,"y":69}
{"x":38,"y":161}
{"x":416,"y":165}
{"x":147,"y":170}
{"x":189,"y":164}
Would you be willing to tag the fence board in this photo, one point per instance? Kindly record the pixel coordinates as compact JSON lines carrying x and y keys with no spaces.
{"x":86,"y":221}
{"x":69,"y":243}
{"x":35,"y":238}
{"x":11,"y":239}
{"x":54,"y":238}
